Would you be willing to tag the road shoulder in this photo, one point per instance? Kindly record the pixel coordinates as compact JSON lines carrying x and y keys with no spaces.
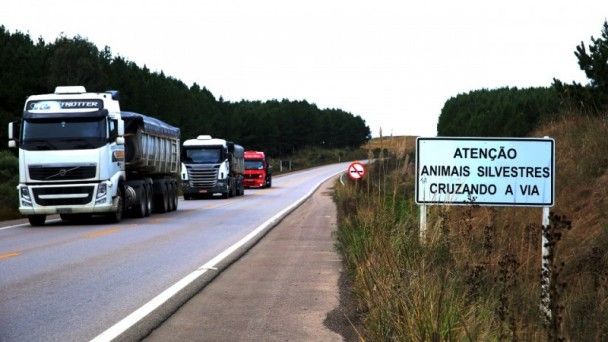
{"x":287,"y":287}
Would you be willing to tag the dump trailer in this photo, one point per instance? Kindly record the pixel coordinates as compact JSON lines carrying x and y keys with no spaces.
{"x":211,"y":166}
{"x":80,"y":155}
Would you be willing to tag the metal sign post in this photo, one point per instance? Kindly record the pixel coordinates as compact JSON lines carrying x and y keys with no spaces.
{"x":422,"y":223}
{"x":545,"y":300}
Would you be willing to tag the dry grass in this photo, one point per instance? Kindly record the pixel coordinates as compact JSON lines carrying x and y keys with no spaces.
{"x":477,"y":275}
{"x":396,"y":144}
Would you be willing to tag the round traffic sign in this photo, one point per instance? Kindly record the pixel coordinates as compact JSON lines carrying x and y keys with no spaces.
{"x":356,"y":171}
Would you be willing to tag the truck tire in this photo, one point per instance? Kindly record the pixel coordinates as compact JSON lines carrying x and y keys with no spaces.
{"x":139,"y":209}
{"x":175,"y":196}
{"x":162,"y":204}
{"x":170,"y":195}
{"x":268,"y":182}
{"x":148,"y":190}
{"x":241,"y":188}
{"x":233,"y":189}
{"x":36,"y":220}
{"x":116,"y":216}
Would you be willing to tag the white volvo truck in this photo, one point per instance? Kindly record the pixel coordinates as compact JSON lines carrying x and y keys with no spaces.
{"x":212,"y":166}
{"x":80,"y":155}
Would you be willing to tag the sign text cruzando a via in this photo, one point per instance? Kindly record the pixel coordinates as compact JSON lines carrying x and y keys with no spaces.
{"x":485,"y":171}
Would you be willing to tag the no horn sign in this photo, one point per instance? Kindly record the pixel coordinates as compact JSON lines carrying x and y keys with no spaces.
{"x":356,"y":171}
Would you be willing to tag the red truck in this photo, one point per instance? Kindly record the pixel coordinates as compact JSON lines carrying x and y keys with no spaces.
{"x":258,"y":173}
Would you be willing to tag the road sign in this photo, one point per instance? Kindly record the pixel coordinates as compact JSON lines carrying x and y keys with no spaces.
{"x":356,"y":170}
{"x":485,"y":171}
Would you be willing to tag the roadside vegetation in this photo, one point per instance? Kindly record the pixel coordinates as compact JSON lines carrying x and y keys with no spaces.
{"x":476,"y":274}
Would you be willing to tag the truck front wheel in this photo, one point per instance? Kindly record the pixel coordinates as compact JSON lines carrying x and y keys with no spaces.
{"x":141,"y":206}
{"x":116,"y":216}
{"x":36,"y":220}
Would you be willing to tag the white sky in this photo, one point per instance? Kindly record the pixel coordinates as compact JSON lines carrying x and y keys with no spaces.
{"x":395,"y":63}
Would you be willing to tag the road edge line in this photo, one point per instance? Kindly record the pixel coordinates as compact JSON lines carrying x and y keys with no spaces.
{"x":145,"y":319}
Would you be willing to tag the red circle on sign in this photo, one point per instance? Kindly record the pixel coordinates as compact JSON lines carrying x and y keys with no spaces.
{"x":356,"y":171}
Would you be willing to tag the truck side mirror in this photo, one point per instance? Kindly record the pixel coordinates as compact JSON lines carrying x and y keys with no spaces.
{"x":120,"y":128}
{"x":13,"y":134}
{"x":230,"y":145}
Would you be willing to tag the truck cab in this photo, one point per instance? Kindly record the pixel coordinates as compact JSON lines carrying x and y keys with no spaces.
{"x":70,"y":153}
{"x":211,"y":166}
{"x":257,"y":170}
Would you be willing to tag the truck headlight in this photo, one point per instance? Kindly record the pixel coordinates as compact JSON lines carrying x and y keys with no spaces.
{"x":102,"y":191}
{"x":25,"y":193}
{"x":26,"y":199}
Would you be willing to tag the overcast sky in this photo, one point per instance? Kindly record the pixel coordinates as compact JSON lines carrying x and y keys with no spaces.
{"x":395,"y":63}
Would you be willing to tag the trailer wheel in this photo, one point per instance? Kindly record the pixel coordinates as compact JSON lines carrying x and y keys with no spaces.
{"x":148,"y":191}
{"x":36,"y":220}
{"x":233,"y":190}
{"x":116,"y":216}
{"x":162,"y":203}
{"x":170,"y":195}
{"x":175,"y":196}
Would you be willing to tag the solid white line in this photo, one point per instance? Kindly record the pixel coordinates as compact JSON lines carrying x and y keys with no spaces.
{"x":27,"y":224}
{"x":139,"y":314}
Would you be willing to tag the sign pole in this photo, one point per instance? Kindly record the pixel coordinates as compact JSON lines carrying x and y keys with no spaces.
{"x":422,"y":223}
{"x":545,"y":301}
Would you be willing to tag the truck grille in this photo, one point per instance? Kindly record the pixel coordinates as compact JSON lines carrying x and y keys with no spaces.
{"x":69,"y":195}
{"x":62,"y":172}
{"x":202,"y":176}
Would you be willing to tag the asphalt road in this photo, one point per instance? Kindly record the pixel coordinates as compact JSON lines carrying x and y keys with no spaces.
{"x":66,"y":282}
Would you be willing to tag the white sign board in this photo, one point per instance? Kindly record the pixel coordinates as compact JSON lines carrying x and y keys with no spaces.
{"x":485,"y":171}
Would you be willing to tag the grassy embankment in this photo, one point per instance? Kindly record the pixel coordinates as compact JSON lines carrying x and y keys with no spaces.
{"x":477,"y":276}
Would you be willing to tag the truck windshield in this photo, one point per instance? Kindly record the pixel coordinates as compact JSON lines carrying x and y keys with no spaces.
{"x":202,"y":155}
{"x":64,"y":134}
{"x":254,"y":164}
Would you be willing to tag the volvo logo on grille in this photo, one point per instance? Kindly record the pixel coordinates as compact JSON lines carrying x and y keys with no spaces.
{"x":62,"y":172}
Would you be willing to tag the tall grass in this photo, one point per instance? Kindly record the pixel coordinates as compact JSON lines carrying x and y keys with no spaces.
{"x":477,"y":275}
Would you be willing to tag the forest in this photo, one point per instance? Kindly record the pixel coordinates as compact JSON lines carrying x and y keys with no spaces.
{"x":279,"y":127}
{"x":517,"y":112}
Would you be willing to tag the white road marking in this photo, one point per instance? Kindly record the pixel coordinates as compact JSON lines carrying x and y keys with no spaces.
{"x":117,"y":329}
{"x":27,"y":224}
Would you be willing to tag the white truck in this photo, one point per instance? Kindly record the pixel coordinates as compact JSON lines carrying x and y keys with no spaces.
{"x":80,"y":155}
{"x":211,"y":166}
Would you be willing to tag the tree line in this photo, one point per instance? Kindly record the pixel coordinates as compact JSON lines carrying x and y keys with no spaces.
{"x":516,"y":112}
{"x":278,"y":126}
